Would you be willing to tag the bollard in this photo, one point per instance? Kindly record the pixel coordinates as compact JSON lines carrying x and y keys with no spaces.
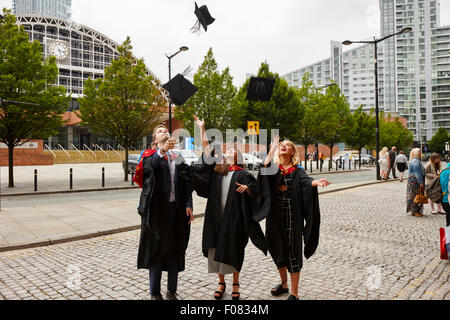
{"x":132,"y":176}
{"x":35,"y":180}
{"x":103,"y":177}
{"x":71,"y":178}
{"x":349,"y":164}
{"x":311,"y":167}
{"x":321,"y":167}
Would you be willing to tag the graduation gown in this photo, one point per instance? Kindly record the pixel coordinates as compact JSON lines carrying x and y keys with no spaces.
{"x":229,"y":232}
{"x":306,"y":216}
{"x":163,"y":236}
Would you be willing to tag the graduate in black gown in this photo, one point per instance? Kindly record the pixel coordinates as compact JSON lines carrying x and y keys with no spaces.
{"x":229,"y":221}
{"x":166,"y":211}
{"x":289,"y":201}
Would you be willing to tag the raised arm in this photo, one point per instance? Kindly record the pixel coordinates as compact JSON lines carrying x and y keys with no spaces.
{"x":273,"y":150}
{"x":205,"y":142}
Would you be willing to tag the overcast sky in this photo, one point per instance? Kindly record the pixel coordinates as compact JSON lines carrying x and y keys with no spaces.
{"x":288,"y":34}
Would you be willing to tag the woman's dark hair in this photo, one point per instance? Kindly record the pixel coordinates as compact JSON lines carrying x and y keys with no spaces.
{"x":435,"y":157}
{"x":402,"y":152}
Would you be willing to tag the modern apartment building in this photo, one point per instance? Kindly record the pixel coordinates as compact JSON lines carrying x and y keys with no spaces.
{"x":414,"y":68}
{"x":60,"y":9}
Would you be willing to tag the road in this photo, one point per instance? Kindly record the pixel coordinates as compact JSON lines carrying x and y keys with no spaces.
{"x":369,"y":249}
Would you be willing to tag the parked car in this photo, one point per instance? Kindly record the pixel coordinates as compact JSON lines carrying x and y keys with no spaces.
{"x":365,"y":158}
{"x":133,"y":161}
{"x":252,"y":162}
{"x":189,"y":156}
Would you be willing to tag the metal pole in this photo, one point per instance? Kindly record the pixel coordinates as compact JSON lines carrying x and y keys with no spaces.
{"x":35,"y":180}
{"x":170,"y":101}
{"x":71,"y":179}
{"x":103,"y":177}
{"x":377,"y":111}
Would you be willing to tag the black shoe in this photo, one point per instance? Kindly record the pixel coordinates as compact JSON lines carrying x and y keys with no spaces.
{"x":157,"y":297}
{"x":172,"y":295}
{"x":236,"y":295}
{"x":441,"y":212}
{"x":291,"y":297}
{"x":219,"y":294}
{"x":279,"y":290}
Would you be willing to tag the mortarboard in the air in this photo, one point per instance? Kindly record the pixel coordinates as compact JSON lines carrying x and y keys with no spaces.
{"x":260,"y":89}
{"x":204,"y":18}
{"x":180,"y":90}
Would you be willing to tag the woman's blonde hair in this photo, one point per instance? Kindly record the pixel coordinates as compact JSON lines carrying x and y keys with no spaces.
{"x":414,"y":154}
{"x":384,"y":151}
{"x":295,"y":158}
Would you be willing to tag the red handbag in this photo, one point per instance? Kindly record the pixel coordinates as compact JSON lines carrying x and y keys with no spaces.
{"x":444,"y":252}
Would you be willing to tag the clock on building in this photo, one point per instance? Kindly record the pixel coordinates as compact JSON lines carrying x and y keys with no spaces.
{"x":59,"y":50}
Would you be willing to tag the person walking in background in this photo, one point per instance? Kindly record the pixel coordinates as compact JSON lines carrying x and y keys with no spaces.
{"x":401,"y":163}
{"x":392,"y":156}
{"x":416,"y":182}
{"x":432,"y":170}
{"x":384,"y":163}
{"x":445,"y":177}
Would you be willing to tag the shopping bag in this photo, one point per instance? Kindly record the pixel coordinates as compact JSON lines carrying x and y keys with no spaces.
{"x":445,"y":243}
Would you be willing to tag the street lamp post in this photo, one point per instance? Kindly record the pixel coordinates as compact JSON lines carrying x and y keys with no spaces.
{"x":375,"y":42}
{"x":170,"y":78}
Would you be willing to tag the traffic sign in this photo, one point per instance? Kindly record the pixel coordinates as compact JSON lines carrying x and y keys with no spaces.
{"x":253,"y":128}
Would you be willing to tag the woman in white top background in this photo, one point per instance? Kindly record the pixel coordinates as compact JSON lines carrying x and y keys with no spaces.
{"x":384,"y":163}
{"x":401,"y":162}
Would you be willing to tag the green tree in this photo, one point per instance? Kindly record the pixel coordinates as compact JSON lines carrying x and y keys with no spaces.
{"x":283,"y":112}
{"x":312,"y":126}
{"x":214,"y":101}
{"x":336,"y":120}
{"x":26,"y":77}
{"x":437,"y":143}
{"x":359,"y":131}
{"x":126,"y":105}
{"x":394,"y":133}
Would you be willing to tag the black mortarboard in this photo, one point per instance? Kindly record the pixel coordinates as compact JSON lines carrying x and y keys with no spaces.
{"x":260,"y":89}
{"x":180,"y":90}
{"x":204,"y":18}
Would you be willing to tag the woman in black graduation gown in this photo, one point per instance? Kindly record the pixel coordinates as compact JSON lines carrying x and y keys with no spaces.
{"x":289,"y":201}
{"x":229,"y":221}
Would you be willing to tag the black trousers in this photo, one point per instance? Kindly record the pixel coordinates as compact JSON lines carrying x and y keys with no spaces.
{"x":155,"y":271}
{"x":446,"y":207}
{"x":394,"y":174}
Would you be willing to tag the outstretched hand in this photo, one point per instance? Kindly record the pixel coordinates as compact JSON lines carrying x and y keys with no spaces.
{"x":190,"y":213}
{"x":321,"y":183}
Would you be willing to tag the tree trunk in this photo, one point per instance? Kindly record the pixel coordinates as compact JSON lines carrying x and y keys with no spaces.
{"x":360,"y":158}
{"x":126,"y":165}
{"x":11,"y":165}
{"x":306,"y":157}
{"x":331,"y":146}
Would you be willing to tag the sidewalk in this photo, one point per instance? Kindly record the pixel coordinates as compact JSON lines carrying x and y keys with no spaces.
{"x":86,"y":177}
{"x":40,"y":225}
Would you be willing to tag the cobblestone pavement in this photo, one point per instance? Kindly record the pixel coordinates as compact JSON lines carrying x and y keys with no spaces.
{"x":370,"y":249}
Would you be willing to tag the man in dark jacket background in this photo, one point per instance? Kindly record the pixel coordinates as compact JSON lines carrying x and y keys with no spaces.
{"x":392,"y":156}
{"x":166,"y":214}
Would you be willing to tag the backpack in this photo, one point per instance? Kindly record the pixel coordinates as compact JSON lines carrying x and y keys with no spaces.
{"x":434,"y":190}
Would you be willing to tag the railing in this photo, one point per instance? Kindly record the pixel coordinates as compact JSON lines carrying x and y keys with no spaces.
{"x":61,"y":147}
{"x":48,"y":148}
{"x":99,"y":148}
{"x":93,"y":153}
{"x":108,"y":147}
{"x":75,"y":148}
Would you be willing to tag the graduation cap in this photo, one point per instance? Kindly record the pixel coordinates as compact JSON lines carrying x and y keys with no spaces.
{"x":180,"y":90}
{"x":260,"y":89}
{"x":204,"y":18}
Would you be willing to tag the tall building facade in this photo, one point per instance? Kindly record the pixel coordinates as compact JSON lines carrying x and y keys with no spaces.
{"x":60,"y":9}
{"x":414,"y":68}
